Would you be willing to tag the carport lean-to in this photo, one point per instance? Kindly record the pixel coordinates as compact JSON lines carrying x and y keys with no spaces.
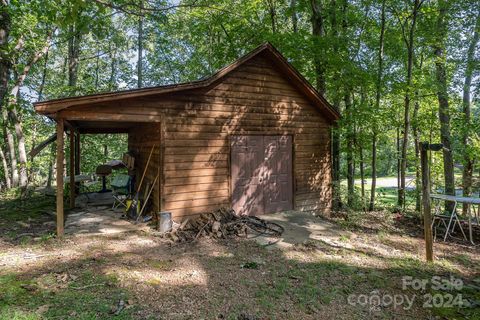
{"x":76,"y":125}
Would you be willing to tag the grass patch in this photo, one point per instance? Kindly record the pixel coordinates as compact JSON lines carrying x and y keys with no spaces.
{"x":14,"y":208}
{"x":24,"y":218}
{"x":90,"y":296}
{"x":161,"y":265}
{"x":457,"y":304}
{"x":308,"y":286}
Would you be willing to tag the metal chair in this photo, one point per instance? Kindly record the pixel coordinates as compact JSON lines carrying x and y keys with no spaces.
{"x":120,"y":190}
{"x":440,"y":218}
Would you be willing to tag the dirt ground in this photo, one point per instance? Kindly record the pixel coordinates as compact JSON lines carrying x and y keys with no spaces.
{"x":325,"y":274}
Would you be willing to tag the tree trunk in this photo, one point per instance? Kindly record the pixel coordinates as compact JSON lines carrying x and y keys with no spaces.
{"x":337,"y":200}
{"x":14,"y":116}
{"x":350,"y":160}
{"x":105,"y":152}
{"x":416,"y":138}
{"x":318,"y":32}
{"x":97,"y":69}
{"x":40,"y":97}
{"x":73,"y":56}
{"x":31,"y":173}
{"x":443,"y":105}
{"x":336,"y":155}
{"x":140,"y":48}
{"x":22,"y":154}
{"x":44,"y":78}
{"x":350,"y":121}
{"x":468,"y":161}
{"x":6,"y":172}
{"x":5,"y":69}
{"x":113,"y":67}
{"x":65,"y":70}
{"x":11,"y":148}
{"x":273,"y":13}
{"x":373,"y":187}
{"x":362,"y":176}
{"x":378,"y":93}
{"x":293,"y":7}
{"x":398,"y":158}
{"x":5,"y":64}
{"x":406,"y":124}
{"x":51,"y":166}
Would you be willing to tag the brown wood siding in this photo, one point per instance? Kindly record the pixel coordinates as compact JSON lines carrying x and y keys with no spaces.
{"x":194,"y":154}
{"x":255,"y":99}
{"x":141,"y":139}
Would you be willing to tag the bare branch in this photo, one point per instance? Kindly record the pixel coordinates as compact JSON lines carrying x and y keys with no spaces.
{"x":135,"y":9}
{"x":21,"y":78}
{"x":402,"y":25}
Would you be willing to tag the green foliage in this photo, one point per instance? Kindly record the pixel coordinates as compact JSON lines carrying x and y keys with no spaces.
{"x":42,"y":297}
{"x":13,"y":208}
{"x":187,"y":40}
{"x":99,"y":149}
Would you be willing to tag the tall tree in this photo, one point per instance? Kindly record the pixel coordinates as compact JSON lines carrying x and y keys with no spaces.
{"x":378,"y":95}
{"x":5,"y":63}
{"x":5,"y":71}
{"x":349,"y":112}
{"x":318,"y":31}
{"x":336,"y":132}
{"x":468,"y":160}
{"x":74,"y":38}
{"x":442,"y":95}
{"x":416,"y":139}
{"x":410,"y":43}
{"x":350,"y":136}
{"x":140,"y":48}
{"x":14,"y":114}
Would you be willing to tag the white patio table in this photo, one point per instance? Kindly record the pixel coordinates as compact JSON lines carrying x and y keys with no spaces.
{"x":453,"y":217}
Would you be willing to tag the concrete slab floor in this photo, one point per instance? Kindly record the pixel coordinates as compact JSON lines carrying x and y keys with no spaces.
{"x":299,"y":228}
{"x":98,"y":221}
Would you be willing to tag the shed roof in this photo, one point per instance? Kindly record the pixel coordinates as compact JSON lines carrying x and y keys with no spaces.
{"x":51,"y":107}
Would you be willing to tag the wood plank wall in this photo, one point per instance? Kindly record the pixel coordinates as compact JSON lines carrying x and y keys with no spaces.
{"x":254,"y":99}
{"x":141,"y":139}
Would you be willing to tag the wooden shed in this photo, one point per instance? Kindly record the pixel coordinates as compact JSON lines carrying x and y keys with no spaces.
{"x":254,"y":136}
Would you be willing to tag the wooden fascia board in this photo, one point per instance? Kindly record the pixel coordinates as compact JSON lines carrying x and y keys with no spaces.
{"x":103,"y":116}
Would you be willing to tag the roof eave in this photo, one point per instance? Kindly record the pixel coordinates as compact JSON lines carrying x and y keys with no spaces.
{"x":49,"y":108}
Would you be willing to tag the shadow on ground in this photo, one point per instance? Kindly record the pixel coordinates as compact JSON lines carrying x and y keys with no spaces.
{"x":317,"y":270}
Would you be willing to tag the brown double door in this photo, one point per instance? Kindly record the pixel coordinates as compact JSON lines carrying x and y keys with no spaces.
{"x":261,"y":171}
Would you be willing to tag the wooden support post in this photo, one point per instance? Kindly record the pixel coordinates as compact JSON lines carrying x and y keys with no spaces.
{"x":162,"y":162}
{"x":60,"y":158}
{"x":77,"y":161}
{"x":72,"y":169}
{"x":427,"y":214}
{"x":162,"y":169}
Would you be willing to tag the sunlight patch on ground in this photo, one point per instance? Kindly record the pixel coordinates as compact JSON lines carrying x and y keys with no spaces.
{"x":184,"y":273}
